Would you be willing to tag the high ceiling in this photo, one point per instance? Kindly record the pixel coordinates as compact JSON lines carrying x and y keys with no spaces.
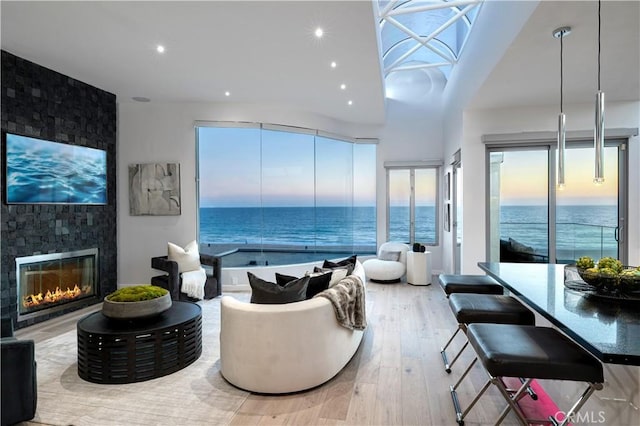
{"x":529,"y":71}
{"x":261,"y":51}
{"x":266,"y":52}
{"x":420,"y":35}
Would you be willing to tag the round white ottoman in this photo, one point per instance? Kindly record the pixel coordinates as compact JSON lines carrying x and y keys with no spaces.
{"x":390,"y":265}
{"x":383,"y":270}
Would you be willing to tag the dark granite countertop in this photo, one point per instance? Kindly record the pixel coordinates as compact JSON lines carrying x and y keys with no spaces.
{"x":609,"y":329}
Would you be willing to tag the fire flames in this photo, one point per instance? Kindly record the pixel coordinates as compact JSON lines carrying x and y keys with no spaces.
{"x":58,"y":295}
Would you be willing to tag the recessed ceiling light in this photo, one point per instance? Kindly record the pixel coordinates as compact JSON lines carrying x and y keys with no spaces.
{"x":141,"y":99}
{"x":227,"y":93}
{"x":350,"y":103}
{"x":319,"y":32}
{"x":160,"y":48}
{"x":343,"y":86}
{"x":333,"y":64}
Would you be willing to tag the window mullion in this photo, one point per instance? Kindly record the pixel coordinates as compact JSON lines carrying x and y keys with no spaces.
{"x":552,"y":202}
{"x":412,"y":206}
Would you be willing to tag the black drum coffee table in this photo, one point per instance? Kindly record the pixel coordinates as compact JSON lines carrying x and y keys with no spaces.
{"x":127,"y":351}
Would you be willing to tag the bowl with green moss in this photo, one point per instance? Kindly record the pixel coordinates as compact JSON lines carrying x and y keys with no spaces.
{"x":136,"y":302}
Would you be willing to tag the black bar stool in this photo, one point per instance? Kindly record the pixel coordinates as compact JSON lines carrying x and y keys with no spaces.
{"x":482,"y":284}
{"x":508,"y":350}
{"x":471,"y":308}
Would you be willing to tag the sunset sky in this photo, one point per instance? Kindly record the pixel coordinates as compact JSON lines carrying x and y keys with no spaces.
{"x":286,"y":166}
{"x":292,"y":170}
{"x":521,"y":184}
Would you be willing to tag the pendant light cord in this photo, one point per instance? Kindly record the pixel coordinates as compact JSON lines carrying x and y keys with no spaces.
{"x":561,"y":74}
{"x":599,"y":24}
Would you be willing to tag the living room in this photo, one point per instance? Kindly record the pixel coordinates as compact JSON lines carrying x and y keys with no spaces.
{"x":163,"y":130}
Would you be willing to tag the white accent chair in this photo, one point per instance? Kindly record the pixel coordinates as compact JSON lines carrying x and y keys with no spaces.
{"x":390,"y":265}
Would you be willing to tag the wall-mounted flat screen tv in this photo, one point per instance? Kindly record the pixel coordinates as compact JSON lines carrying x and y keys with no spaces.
{"x":47,"y":172}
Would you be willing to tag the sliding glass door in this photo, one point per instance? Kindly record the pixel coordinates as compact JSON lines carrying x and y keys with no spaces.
{"x":531,"y":220}
{"x":519,"y":205}
{"x":411,"y":207}
{"x":587,"y":214}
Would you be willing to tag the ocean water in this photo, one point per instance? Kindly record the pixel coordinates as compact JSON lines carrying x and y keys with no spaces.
{"x":582,"y":230}
{"x":289,"y":226}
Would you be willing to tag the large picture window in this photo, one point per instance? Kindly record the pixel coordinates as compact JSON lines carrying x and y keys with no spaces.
{"x":270,"y":196}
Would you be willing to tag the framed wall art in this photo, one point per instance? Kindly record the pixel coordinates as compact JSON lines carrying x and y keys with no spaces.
{"x":39,"y":171}
{"x":154,"y":189}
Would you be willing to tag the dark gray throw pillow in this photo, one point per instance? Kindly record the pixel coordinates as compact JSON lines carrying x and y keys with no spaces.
{"x":318,"y":282}
{"x":349,"y":262}
{"x":266,"y":292}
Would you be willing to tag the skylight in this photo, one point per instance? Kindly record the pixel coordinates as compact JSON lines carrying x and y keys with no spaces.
{"x":420,"y":34}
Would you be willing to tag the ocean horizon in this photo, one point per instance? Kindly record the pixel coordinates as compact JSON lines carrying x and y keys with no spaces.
{"x":580,"y":228}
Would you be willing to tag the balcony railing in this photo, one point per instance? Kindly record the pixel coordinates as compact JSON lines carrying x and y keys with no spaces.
{"x":573,"y":240}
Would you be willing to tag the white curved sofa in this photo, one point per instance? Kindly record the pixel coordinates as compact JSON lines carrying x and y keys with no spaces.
{"x":283,"y":348}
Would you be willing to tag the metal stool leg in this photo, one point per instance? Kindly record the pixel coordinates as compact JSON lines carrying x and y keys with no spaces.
{"x":511,"y":399}
{"x":443,"y":353}
{"x":454,"y":394}
{"x":530,"y":391}
{"x":578,"y":404}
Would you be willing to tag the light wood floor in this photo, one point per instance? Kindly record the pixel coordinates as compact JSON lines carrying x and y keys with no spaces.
{"x":395,"y":378}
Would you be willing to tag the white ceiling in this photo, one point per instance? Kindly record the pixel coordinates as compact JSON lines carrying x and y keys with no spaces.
{"x":265,"y":52}
{"x":529,"y":71}
{"x":261,"y":52}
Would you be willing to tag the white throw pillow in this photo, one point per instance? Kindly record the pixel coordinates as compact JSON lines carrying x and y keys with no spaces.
{"x":188,"y":258}
{"x":337,"y":275}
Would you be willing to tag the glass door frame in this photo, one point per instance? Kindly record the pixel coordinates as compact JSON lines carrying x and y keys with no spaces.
{"x":550,"y":146}
{"x":412,"y":167}
{"x":457,"y":204}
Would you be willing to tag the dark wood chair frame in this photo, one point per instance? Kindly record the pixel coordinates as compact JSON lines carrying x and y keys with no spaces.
{"x":172,"y":280}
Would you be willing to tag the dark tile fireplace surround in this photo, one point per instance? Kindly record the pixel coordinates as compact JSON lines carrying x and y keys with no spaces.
{"x":42,"y":103}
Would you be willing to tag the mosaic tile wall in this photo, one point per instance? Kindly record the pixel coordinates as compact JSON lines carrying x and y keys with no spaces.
{"x":42,"y":103}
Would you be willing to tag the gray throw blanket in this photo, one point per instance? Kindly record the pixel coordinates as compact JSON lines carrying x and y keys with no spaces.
{"x":347,"y":298}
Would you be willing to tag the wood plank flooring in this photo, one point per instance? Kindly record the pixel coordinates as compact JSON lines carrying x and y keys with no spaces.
{"x":395,"y":378}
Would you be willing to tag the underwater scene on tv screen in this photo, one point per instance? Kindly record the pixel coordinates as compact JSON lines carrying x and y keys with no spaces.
{"x":40,"y":171}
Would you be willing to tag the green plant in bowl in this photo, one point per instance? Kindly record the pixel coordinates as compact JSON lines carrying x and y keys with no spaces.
{"x":136,"y":302}
{"x":585,"y":262}
{"x":137,"y":293}
{"x":590,"y":276}
{"x":630,"y":280}
{"x":607,"y":272}
{"x":610,"y":263}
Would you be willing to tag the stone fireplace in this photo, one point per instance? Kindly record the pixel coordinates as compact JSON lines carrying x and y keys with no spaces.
{"x":48,"y":283}
{"x":42,"y":103}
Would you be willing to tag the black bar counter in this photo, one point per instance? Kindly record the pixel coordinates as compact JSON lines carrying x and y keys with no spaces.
{"x":607,"y":328}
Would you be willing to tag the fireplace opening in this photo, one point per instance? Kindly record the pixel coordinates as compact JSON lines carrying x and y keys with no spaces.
{"x":50,"y":282}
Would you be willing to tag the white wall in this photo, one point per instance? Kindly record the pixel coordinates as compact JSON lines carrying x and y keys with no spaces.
{"x":153,"y":132}
{"x":452,"y":129}
{"x":411,"y":134}
{"x":490,"y":29}
{"x":513,"y":120}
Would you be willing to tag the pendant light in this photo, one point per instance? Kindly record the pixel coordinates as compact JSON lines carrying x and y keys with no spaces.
{"x":598,"y":134}
{"x":561,"y":33}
